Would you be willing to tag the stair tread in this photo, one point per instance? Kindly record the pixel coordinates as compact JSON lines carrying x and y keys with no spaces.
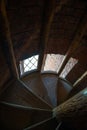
{"x":49,"y":124}
{"x":17,"y":93}
{"x":17,"y":117}
{"x":48,"y":86}
{"x":35,"y":82}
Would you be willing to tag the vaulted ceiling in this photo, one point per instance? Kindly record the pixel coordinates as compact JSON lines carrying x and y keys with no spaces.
{"x":39,"y":27}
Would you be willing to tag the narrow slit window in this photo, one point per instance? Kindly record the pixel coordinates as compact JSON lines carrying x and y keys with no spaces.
{"x":69,"y":66}
{"x":29,"y":64}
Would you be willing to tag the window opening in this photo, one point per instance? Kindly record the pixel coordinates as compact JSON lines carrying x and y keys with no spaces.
{"x":53,"y":62}
{"x":70,"y":64}
{"x":29,"y":64}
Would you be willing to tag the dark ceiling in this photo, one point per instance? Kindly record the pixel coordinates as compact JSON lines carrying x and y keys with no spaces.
{"x":51,"y":26}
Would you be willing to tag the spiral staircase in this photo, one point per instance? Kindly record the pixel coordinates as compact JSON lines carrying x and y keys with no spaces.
{"x":24,"y":108}
{"x":40,"y":98}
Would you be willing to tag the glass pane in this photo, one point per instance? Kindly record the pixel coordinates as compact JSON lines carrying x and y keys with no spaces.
{"x":53,"y":62}
{"x":71,"y":63}
{"x":29,"y":64}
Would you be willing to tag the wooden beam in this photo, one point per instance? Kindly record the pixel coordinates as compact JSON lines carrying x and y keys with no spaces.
{"x":60,"y":5}
{"x":49,"y":15}
{"x":49,"y":11}
{"x":46,"y":25}
{"x":7,"y":38}
{"x":82,"y":26}
{"x":80,"y":79}
{"x":75,"y":107}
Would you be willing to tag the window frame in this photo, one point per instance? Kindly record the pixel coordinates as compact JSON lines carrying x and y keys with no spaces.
{"x":21,"y":66}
